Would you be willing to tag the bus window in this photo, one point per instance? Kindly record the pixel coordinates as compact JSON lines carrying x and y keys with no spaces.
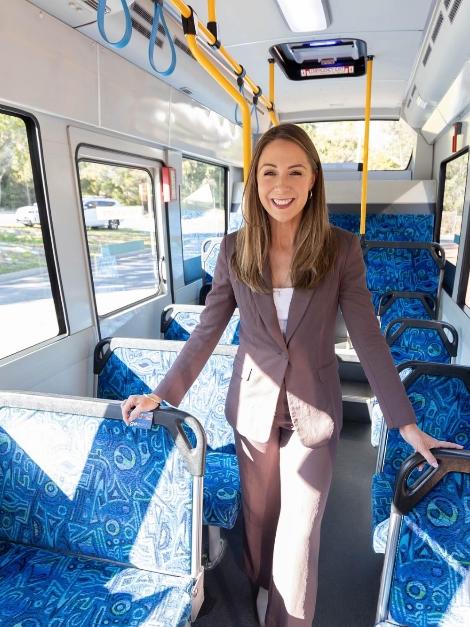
{"x":391,"y":142}
{"x":28,"y":280}
{"x":202,"y":211}
{"x":453,"y":182}
{"x":119,"y":217}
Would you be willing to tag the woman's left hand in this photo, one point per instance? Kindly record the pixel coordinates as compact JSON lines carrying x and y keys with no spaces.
{"x":422,"y":442}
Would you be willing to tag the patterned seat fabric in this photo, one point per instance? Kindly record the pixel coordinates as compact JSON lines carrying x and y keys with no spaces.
{"x":43,"y":588}
{"x":430,"y":584}
{"x":376,"y":415}
{"x":401,"y":269}
{"x":209,"y":253}
{"x":389,"y":227}
{"x":420,"y":344}
{"x":138,"y":370}
{"x":180,"y":321}
{"x":406,"y":307}
{"x":95,"y":521}
{"x":442,"y":408}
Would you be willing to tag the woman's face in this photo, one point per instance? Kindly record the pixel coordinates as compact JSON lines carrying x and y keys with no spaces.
{"x":284,"y":178}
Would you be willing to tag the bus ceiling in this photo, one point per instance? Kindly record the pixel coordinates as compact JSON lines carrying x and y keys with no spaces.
{"x":420,"y":49}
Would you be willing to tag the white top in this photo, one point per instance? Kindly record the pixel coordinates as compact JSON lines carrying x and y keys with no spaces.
{"x":282,"y":298}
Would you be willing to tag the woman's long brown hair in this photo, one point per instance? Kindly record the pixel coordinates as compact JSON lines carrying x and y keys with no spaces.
{"x":315,"y":244}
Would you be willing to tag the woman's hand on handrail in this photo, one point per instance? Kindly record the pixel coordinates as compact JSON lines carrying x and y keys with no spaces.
{"x":138,"y":403}
{"x":422,"y":443}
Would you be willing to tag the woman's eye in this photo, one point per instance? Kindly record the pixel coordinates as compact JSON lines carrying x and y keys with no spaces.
{"x":269,"y":173}
{"x":296,"y":173}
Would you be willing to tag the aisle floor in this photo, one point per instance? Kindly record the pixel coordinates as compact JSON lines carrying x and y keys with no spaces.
{"x":349,"y":571}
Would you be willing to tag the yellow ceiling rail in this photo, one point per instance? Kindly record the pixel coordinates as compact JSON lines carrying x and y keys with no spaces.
{"x":212,"y":40}
{"x":365,"y":157}
{"x":216,"y":74}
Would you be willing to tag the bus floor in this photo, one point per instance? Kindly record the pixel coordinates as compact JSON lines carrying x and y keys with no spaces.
{"x":349,"y":570}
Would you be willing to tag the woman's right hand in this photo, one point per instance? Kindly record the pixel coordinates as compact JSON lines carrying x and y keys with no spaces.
{"x":136,"y":404}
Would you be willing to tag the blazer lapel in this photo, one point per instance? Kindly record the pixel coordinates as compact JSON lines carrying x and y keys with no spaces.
{"x":267,"y":309}
{"x":299,"y":303}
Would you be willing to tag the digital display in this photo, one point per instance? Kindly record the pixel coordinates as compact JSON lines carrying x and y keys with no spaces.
{"x":327,"y":71}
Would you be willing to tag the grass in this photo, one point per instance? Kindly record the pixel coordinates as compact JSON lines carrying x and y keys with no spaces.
{"x":22,"y":248}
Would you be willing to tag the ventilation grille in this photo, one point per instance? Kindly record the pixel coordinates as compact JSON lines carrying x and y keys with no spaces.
{"x":446,"y":3}
{"x":437,"y":27}
{"x":93,"y":4}
{"x":454,"y":9}
{"x":145,"y":32}
{"x":145,"y":15}
{"x":426,"y":55}
{"x":413,"y":91}
{"x":409,"y":102}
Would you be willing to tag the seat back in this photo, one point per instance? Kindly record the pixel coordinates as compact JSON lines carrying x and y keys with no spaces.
{"x":179,"y":321}
{"x":440,"y":396}
{"x":74,"y":478}
{"x":406,"y":227}
{"x":128,"y":366}
{"x":393,"y":305}
{"x":422,"y":340}
{"x":403,"y":267}
{"x":209,"y":252}
{"x":425,"y":579}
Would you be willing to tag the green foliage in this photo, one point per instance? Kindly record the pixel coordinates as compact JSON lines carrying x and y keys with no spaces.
{"x":16,"y":176}
{"x":122,"y":183}
{"x":198,"y":173}
{"x":390,"y":143}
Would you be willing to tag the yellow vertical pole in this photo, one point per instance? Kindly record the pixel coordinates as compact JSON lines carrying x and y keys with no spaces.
{"x":272,"y":115}
{"x":365,"y":157}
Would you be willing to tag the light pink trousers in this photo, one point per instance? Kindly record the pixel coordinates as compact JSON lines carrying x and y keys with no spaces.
{"x":284,"y":489}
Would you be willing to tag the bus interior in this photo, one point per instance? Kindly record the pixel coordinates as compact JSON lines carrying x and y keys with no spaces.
{"x":126,"y":133}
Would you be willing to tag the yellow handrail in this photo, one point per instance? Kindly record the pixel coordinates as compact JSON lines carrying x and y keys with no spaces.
{"x":230,"y":89}
{"x":365,"y":158}
{"x":210,"y":39}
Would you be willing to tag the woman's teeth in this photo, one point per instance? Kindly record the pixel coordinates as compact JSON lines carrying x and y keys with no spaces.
{"x":282,"y":202}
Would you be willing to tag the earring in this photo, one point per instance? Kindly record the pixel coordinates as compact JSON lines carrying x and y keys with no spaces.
{"x":310,"y":194}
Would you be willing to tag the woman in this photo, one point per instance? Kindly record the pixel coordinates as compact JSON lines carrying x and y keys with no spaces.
{"x":288,"y":270}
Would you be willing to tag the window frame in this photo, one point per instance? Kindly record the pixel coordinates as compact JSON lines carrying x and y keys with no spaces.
{"x":225,"y":170}
{"x":33,"y":134}
{"x":160,"y":290}
{"x":457,"y":292}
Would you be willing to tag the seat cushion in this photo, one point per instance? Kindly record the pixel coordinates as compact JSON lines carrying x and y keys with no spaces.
{"x":45,"y":589}
{"x":222,"y":499}
{"x":430,"y":585}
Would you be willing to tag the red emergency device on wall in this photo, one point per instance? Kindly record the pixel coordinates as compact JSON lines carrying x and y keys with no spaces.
{"x":169,"y":184}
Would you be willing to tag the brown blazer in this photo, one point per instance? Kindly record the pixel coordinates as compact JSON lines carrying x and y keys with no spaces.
{"x":305,"y":360}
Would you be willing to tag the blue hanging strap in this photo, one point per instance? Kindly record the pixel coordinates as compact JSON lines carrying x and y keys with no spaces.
{"x":101,"y":12}
{"x":159,"y":17}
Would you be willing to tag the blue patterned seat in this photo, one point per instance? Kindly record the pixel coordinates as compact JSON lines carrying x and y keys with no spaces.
{"x":440,"y":396}
{"x":415,"y":340}
{"x":179,"y":321}
{"x":209,"y":252}
{"x":389,"y":227}
{"x":422,"y":340}
{"x":135,"y":366}
{"x":426,"y":574}
{"x":403,"y":267}
{"x":393,"y":305}
{"x":96,"y":518}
